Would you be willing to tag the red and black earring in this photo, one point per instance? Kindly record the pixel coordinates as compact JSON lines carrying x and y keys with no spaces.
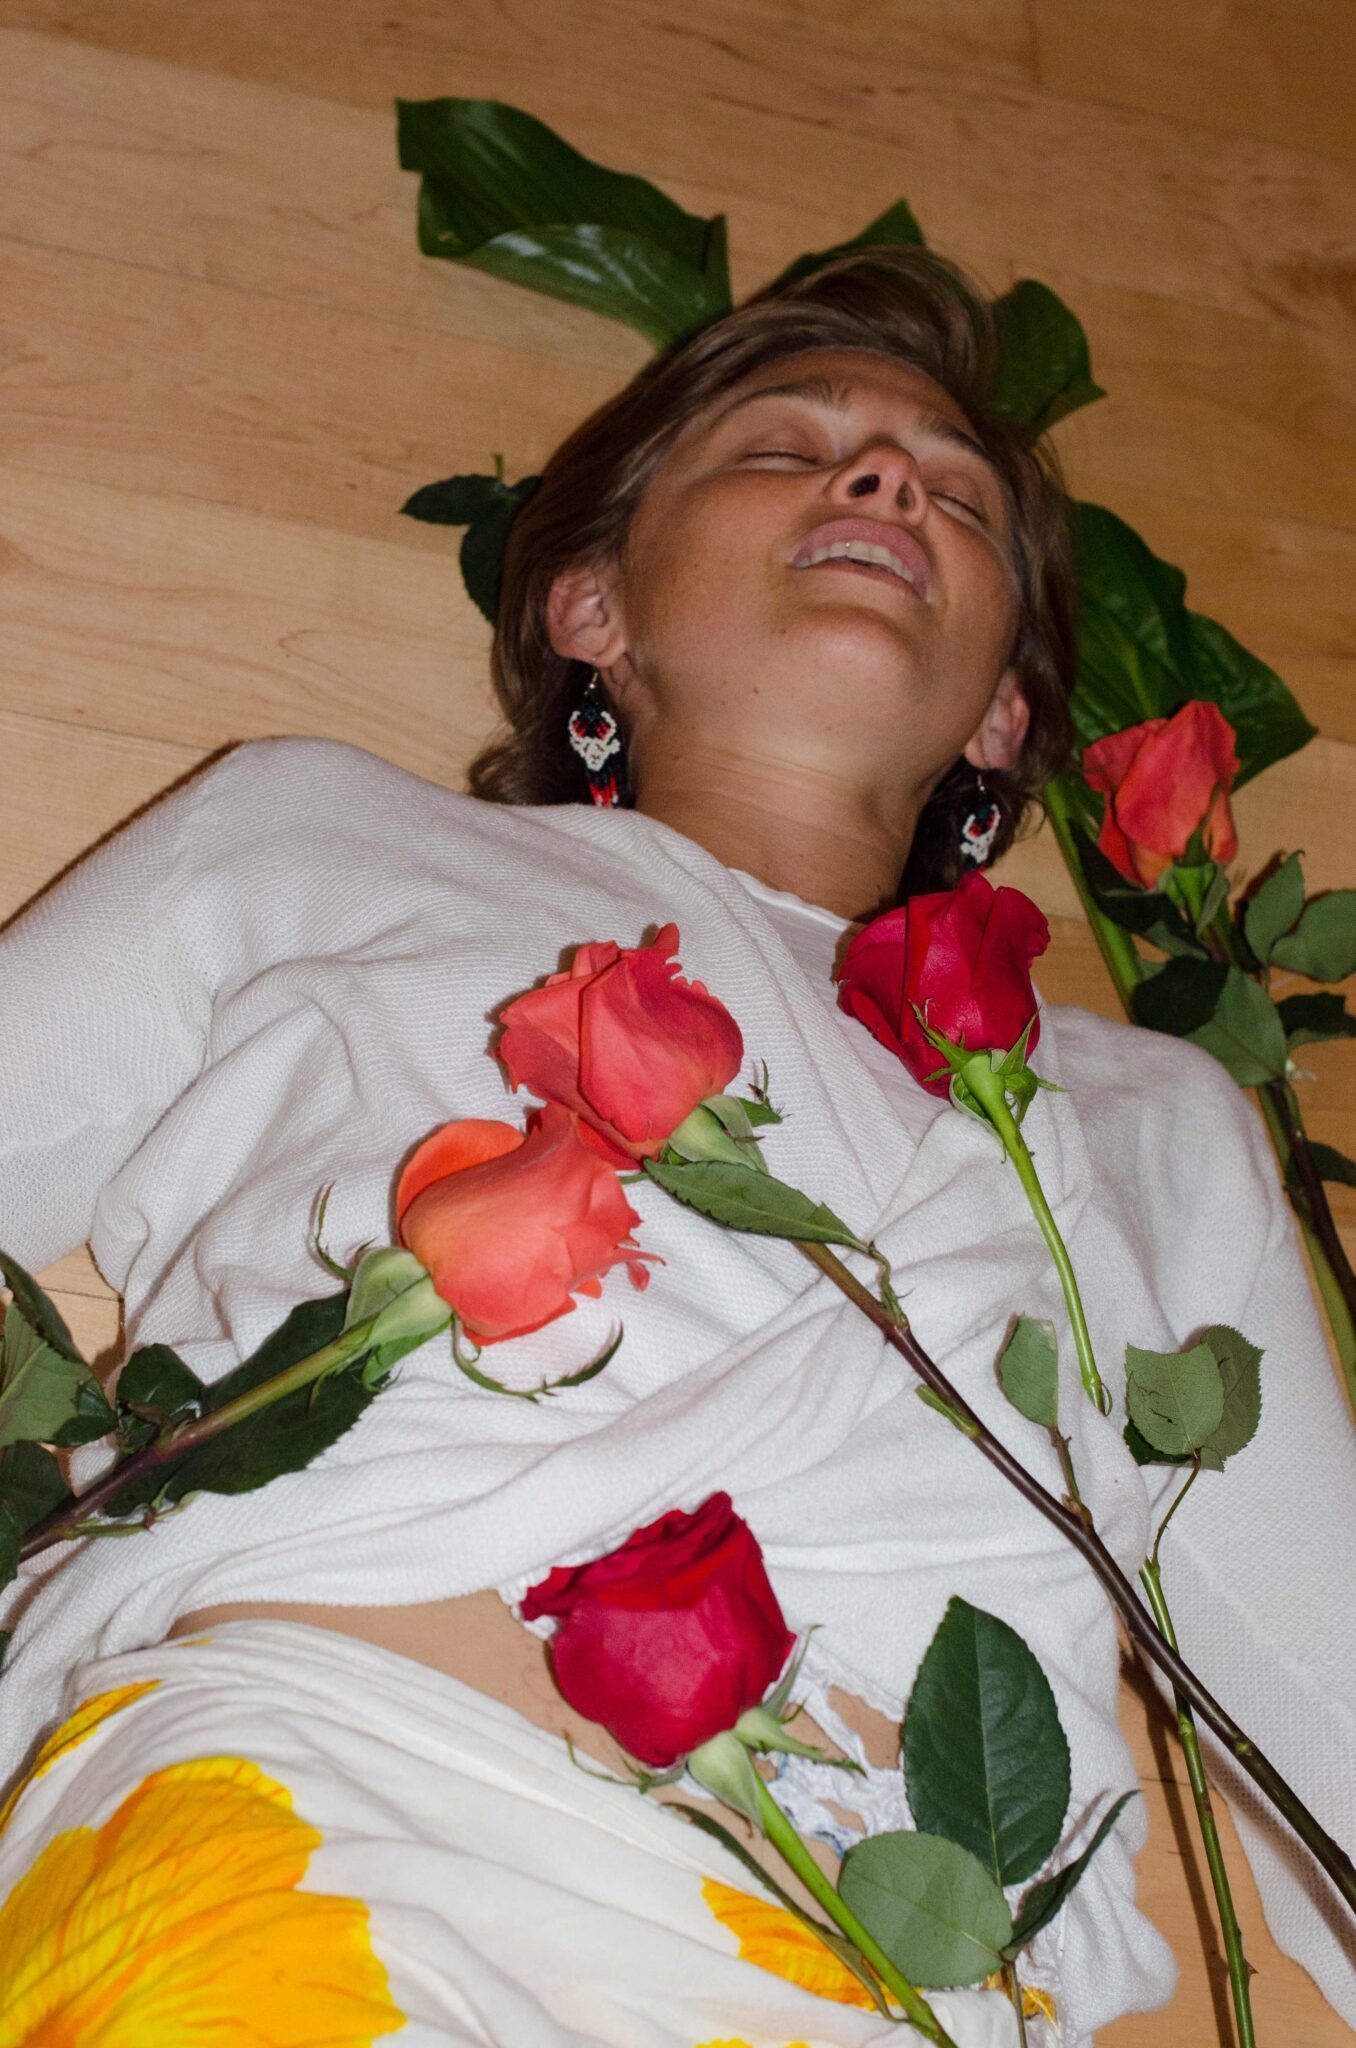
{"x":596,"y":737}
{"x":980,"y":828}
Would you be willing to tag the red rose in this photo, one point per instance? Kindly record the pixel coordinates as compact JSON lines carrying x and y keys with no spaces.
{"x":668,"y":1640}
{"x":624,"y":1043}
{"x":964,"y":957}
{"x":1163,"y":780}
{"x":511,"y":1224}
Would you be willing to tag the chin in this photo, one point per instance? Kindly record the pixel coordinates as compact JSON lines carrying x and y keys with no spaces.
{"x":853,"y":644}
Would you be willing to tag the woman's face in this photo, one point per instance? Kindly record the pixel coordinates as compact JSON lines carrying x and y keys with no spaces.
{"x":822,"y":568}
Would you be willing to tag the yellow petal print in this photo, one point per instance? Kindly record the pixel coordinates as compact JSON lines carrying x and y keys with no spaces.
{"x":775,"y":1940}
{"x":178,"y":1923}
{"x":1036,"y":2004}
{"x":72,"y":1732}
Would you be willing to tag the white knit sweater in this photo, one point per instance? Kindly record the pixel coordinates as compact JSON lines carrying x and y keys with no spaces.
{"x":284,"y":974}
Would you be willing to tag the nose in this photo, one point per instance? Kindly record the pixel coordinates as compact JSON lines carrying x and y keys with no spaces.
{"x":885,"y":471}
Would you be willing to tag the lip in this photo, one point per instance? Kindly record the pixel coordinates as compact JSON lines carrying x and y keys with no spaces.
{"x":878,"y":533}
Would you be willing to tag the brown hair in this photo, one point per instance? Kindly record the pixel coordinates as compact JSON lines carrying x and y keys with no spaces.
{"x":904,"y":302}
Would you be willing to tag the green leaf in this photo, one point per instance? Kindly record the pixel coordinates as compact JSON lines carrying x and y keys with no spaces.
{"x":486,"y":507}
{"x":1333,"y":1165}
{"x":11,"y":1538}
{"x":1323,"y":943}
{"x":39,"y":1311}
{"x":1028,"y":1370}
{"x":156,"y":1379}
{"x":1147,"y":912}
{"x":1143,"y":1452}
{"x":31,"y":1483}
{"x":1181,"y":997}
{"x":1044,"y":1900}
{"x":986,"y":1762}
{"x":1044,"y":370}
{"x":742,"y":1198}
{"x":1246,"y":1033}
{"x":1312,"y":1019}
{"x":1143,"y":654}
{"x":1239,"y":1363}
{"x":931,"y":1905}
{"x":1273,"y":908}
{"x":1175,"y":1398}
{"x":283,"y":1437}
{"x":46,"y":1396}
{"x":896,"y":225}
{"x":504,"y":193}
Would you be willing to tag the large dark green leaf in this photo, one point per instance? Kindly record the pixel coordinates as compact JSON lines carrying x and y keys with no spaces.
{"x":1143,"y":654}
{"x":896,"y":225}
{"x":931,"y":1905}
{"x":1044,"y":370}
{"x":1181,"y":997}
{"x":742,"y":1198}
{"x":986,"y":1762}
{"x":283,"y":1437}
{"x":1044,"y":1900}
{"x":503,"y":192}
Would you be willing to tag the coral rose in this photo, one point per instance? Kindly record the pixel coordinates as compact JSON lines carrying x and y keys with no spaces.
{"x":668,"y":1640}
{"x":1164,"y":780}
{"x":964,"y":957}
{"x":512,"y":1224}
{"x":624,"y":1043}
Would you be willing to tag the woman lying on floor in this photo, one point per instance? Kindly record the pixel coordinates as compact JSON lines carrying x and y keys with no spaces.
{"x":279,"y":977}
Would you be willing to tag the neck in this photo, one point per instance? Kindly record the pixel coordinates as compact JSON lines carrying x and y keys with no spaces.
{"x":794,"y":830}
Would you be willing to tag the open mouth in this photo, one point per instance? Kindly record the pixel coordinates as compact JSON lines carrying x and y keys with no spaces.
{"x":856,"y":554}
{"x":866,"y":549}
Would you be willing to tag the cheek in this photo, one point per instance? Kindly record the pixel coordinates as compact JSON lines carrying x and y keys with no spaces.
{"x":687,"y":577}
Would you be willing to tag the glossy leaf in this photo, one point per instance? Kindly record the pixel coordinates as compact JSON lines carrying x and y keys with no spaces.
{"x":1175,"y":1398}
{"x":31,"y":1483}
{"x":504,"y":193}
{"x":1239,"y":1365}
{"x":1323,"y":943}
{"x":1044,"y":1900}
{"x":742,"y":1198}
{"x":1275,"y":907}
{"x":1143,"y":654}
{"x":46,"y":1396}
{"x":486,"y":507}
{"x":283,"y":1437}
{"x":1244,"y":1032}
{"x":931,"y":1905}
{"x":986,"y":1762}
{"x":1044,"y":370}
{"x":1029,"y":1370}
{"x":1313,"y":1019}
{"x":896,"y":225}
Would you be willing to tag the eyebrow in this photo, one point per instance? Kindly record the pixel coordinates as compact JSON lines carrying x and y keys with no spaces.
{"x":838,"y":398}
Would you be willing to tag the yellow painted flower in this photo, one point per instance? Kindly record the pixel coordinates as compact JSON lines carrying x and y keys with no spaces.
{"x":775,"y":1940}
{"x":178,"y":1922}
{"x":72,"y":1732}
{"x":1036,"y":2004}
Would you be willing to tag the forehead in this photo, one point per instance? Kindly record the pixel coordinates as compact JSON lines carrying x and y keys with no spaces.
{"x":843,"y":376}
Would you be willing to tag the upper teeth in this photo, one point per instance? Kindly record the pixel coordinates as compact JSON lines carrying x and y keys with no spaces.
{"x":857,"y":551}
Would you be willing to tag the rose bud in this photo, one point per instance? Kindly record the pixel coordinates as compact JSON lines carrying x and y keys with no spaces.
{"x":963,"y":956}
{"x":624,"y":1043}
{"x":668,"y":1640}
{"x":1164,"y":781}
{"x":512,"y":1224}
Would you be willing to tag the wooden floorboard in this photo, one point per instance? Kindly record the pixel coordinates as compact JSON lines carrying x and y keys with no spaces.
{"x":223,"y":366}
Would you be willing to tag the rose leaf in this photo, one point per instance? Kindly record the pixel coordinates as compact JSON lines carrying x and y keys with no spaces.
{"x":1175,"y":1398}
{"x":1044,"y":1900}
{"x":46,"y":1396}
{"x":1323,"y":943}
{"x":31,"y":1483}
{"x":931,"y":1905}
{"x":38,"y":1309}
{"x":1239,"y":1365}
{"x":986,"y":1762}
{"x":742,"y":1198}
{"x":1312,"y":1019}
{"x":1029,"y":1370}
{"x":1245,"y":1032}
{"x":1274,"y":908}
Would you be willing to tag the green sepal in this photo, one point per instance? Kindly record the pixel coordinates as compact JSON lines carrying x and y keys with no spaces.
{"x":986,"y":1761}
{"x":331,"y":1265}
{"x":391,"y":1285}
{"x":742,"y":1198}
{"x":717,"y":1129}
{"x":470,"y":1369}
{"x":724,"y":1768}
{"x":1044,"y":1900}
{"x":932,"y":1906}
{"x":757,"y":1105}
{"x":761,"y":1729}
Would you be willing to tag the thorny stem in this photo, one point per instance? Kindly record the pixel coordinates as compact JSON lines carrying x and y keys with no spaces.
{"x":1138,"y":1622}
{"x":793,"y":1851}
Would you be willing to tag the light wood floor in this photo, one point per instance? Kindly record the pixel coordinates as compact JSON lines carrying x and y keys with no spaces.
{"x":223,"y":366}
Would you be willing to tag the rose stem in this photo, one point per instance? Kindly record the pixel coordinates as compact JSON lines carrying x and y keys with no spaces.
{"x":1139,"y":1624}
{"x":793,"y":1851}
{"x":1014,"y":1991}
{"x":63,"y":1523}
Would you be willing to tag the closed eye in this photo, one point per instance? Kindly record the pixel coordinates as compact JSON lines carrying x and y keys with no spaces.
{"x":954,"y":498}
{"x":781,"y":454}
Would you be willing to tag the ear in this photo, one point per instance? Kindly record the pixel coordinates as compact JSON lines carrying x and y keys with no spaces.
{"x":1002,"y":730}
{"x":584,"y":616}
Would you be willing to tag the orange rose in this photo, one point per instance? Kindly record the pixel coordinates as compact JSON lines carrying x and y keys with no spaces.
{"x":624,"y":1043}
{"x":512,"y":1224}
{"x":1163,"y":781}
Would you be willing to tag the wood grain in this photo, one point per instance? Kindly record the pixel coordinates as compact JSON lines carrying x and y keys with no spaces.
{"x":224,"y":365}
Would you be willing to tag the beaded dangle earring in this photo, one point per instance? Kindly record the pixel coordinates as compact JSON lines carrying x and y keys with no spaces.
{"x":980,"y":828}
{"x":595,"y":737}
